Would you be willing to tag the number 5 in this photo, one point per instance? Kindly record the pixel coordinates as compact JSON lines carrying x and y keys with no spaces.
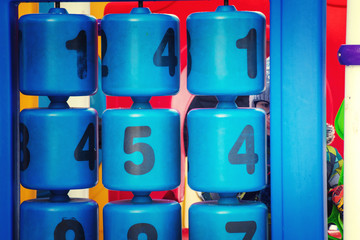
{"x":144,"y":148}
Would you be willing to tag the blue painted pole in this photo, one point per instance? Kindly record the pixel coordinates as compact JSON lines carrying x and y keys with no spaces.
{"x":298,"y":119}
{"x":9,"y":173}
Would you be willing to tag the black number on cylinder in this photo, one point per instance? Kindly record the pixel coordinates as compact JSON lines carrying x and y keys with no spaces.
{"x":249,"y":43}
{"x":136,"y":229}
{"x":90,"y":154}
{"x":104,"y":68}
{"x":250,"y":158}
{"x":248,"y":227}
{"x":171,"y":60}
{"x":69,"y":225}
{"x":25,"y":161}
{"x":144,"y":148}
{"x":189,"y":59}
{"x":80,"y":45}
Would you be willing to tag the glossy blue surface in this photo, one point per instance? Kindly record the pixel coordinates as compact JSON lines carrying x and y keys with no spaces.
{"x":160,"y":220}
{"x":211,"y":221}
{"x":58,"y":54}
{"x":141,"y":55}
{"x":226,"y":52}
{"x":9,"y":115}
{"x":45,"y":220}
{"x":298,"y":119}
{"x":216,"y":149}
{"x":57,"y":145}
{"x":141,"y":149}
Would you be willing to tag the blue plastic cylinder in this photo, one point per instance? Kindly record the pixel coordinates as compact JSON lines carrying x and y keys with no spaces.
{"x":211,"y":221}
{"x":58,"y":148}
{"x":58,"y":54}
{"x":227,"y":150}
{"x":141,"y":149}
{"x":160,"y":220}
{"x":226,"y":52}
{"x":141,"y":55}
{"x":46,"y":220}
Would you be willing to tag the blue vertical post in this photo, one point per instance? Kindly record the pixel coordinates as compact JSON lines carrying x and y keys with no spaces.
{"x":298,"y":119}
{"x":9,"y":179}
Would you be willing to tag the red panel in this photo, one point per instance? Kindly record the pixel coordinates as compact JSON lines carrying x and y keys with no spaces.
{"x":336,"y":31}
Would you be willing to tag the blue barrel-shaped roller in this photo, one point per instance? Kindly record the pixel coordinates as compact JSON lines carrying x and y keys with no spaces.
{"x":58,"y":148}
{"x":212,"y":221}
{"x":226,"y":150}
{"x":58,"y":54}
{"x":141,"y":149}
{"x":226,"y":52}
{"x":159,"y":220}
{"x":46,"y":220}
{"x":140,"y":54}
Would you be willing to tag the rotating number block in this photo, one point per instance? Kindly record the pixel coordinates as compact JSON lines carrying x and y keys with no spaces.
{"x":160,"y":220}
{"x":226,"y":150}
{"x":226,"y":52}
{"x":141,"y":149}
{"x":211,"y":221}
{"x":74,"y":219}
{"x":140,"y":54}
{"x":58,"y":54}
{"x":58,"y":148}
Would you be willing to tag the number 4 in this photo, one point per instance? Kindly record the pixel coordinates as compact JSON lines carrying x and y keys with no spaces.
{"x":90,"y":154}
{"x":249,"y":158}
{"x":171,"y":60}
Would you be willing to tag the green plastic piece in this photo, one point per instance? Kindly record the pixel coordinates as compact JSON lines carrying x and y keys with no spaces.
{"x":335,"y":217}
{"x":339,"y":121}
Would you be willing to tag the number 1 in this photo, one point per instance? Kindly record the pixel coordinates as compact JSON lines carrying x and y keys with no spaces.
{"x":249,"y":43}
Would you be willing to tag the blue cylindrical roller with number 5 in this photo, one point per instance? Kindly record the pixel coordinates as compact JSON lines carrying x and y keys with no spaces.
{"x":212,"y":221}
{"x":58,"y":54}
{"x":141,"y":149}
{"x":140,"y":53}
{"x":58,"y":148}
{"x":48,"y":220}
{"x":226,"y":150}
{"x":157,"y":220}
{"x":226,"y":52}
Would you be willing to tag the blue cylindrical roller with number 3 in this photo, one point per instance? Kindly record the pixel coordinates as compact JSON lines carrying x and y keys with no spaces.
{"x":58,"y":148}
{"x":226,"y":52}
{"x":157,"y":220}
{"x":47,"y":220}
{"x":226,"y":150}
{"x":211,"y":221}
{"x":141,"y":149}
{"x":140,"y":54}
{"x":58,"y":54}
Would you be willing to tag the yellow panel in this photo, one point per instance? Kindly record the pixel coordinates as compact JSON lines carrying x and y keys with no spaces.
{"x":97,"y":10}
{"x":27,"y":8}
{"x":190,"y":197}
{"x":27,"y":101}
{"x":101,"y":195}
